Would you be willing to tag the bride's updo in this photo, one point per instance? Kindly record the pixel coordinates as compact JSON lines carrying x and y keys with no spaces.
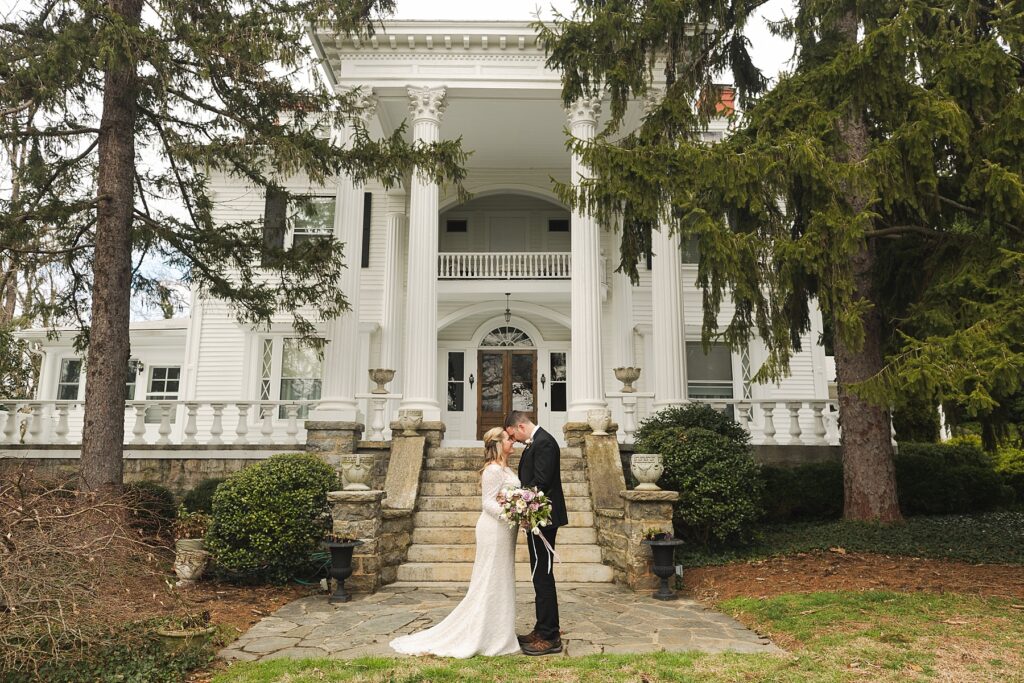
{"x":492,"y":447}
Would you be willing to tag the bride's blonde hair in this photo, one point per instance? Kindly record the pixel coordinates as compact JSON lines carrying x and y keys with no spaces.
{"x":492,"y":448}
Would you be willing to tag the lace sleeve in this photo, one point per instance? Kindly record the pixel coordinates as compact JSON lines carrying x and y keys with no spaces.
{"x":491,"y":486}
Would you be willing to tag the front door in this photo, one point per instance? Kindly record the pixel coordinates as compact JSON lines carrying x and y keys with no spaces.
{"x":508,"y":381}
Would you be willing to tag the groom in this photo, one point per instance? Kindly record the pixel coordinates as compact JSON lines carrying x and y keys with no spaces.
{"x":540,"y":466}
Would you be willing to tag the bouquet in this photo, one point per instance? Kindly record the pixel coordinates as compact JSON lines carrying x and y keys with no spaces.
{"x":528,"y":507}
{"x":525,"y":505}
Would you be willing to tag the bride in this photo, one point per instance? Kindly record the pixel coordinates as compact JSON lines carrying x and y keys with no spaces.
{"x":484,"y":622}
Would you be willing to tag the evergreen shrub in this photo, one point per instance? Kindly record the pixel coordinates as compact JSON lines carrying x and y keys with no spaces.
{"x":153,"y":506}
{"x":1010,"y":465}
{"x":948,"y":478}
{"x":708,"y":459}
{"x":268,"y":519}
{"x":806,"y":492}
{"x":200,"y":499}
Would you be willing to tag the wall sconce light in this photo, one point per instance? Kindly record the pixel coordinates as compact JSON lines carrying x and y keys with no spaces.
{"x":471,"y":380}
{"x":508,"y":311}
{"x":543,"y":380}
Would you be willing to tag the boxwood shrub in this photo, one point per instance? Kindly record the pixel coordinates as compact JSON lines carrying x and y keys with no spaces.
{"x":806,"y":492}
{"x":200,"y":499}
{"x":268,"y":519}
{"x":707,"y":459}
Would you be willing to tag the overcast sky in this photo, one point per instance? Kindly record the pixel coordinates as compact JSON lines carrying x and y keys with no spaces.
{"x":770,"y":53}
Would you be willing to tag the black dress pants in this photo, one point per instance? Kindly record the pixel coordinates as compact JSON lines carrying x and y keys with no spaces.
{"x":544,"y":584}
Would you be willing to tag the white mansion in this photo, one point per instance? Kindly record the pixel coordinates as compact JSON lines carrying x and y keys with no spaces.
{"x":506,"y":301}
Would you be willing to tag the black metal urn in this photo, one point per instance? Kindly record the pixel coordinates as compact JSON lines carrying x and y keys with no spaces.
{"x":664,"y":567}
{"x":341,"y":567}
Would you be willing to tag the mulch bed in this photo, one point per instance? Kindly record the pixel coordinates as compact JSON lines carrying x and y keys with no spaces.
{"x":838,"y":570}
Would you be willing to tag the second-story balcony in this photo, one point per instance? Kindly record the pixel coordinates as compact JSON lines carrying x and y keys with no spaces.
{"x":535,"y":265}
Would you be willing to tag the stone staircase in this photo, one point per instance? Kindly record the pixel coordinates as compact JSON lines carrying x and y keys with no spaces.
{"x":448,"y":506}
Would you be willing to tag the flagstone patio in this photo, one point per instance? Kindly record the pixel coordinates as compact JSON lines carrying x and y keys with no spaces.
{"x":603,"y":618}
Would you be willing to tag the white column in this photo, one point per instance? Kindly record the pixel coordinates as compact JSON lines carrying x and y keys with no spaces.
{"x":394,"y":288}
{"x":669,"y":337}
{"x":420,"y":386}
{"x":622,"y":303}
{"x":342,"y":376}
{"x":586,"y":389}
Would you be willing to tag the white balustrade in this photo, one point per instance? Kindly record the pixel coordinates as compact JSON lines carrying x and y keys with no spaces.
{"x":375,"y":407}
{"x":160,"y":423}
{"x":808,"y":423}
{"x":532,"y":265}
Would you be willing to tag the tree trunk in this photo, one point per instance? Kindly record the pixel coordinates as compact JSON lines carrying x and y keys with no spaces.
{"x":107,"y":360}
{"x":869,"y":475}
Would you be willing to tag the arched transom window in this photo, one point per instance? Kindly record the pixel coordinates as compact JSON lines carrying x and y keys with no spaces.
{"x":506,"y":336}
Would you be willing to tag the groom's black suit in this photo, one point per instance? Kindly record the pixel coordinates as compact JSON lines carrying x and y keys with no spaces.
{"x":540,"y":466}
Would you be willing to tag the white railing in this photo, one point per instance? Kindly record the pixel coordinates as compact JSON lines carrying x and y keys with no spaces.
{"x":770,"y":422}
{"x":536,"y":265}
{"x":161,"y":423}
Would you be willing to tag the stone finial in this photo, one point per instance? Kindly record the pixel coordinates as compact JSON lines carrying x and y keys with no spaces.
{"x":427,"y":102}
{"x":584,"y":110}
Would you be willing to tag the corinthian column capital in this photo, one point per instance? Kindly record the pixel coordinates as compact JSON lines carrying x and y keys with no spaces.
{"x":364,"y":103}
{"x":427,"y":102}
{"x":584,"y":110}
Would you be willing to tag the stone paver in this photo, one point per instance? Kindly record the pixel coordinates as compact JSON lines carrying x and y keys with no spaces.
{"x":595,"y":619}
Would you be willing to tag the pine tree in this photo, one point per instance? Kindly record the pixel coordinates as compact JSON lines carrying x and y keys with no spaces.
{"x":891,"y":153}
{"x":203,"y":87}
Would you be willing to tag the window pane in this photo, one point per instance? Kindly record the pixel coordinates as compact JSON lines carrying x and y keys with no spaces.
{"x":67,"y":392}
{"x":492,"y":382}
{"x":300,"y":389}
{"x":709,"y":390}
{"x":716,"y":366}
{"x":456,"y":392}
{"x":558,"y":367}
{"x":315,"y":216}
{"x":299,"y":361}
{"x":558,"y":397}
{"x":691,"y":250}
{"x":506,"y":336}
{"x":456,"y":366}
{"x":70,"y":370}
{"x":522,"y":383}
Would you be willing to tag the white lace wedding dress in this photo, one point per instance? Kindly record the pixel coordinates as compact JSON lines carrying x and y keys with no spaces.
{"x":484,"y":623}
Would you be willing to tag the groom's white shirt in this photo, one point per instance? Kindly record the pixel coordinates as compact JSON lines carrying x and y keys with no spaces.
{"x":533,"y":433}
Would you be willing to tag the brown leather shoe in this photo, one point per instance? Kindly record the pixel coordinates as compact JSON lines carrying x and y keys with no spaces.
{"x":529,"y":638}
{"x":543,"y":647}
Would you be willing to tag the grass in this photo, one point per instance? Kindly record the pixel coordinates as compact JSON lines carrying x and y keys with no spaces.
{"x":871,"y":636}
{"x":993,"y":538}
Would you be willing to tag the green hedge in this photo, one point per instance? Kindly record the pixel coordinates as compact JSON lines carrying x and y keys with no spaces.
{"x":708,"y":459}
{"x":268,"y":519}
{"x":931,"y":479}
{"x":1010,"y":465}
{"x":200,"y":499}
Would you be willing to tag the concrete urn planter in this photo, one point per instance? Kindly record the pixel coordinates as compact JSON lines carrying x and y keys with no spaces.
{"x":380,"y":377}
{"x":190,"y":561}
{"x":647,"y":468}
{"x":599,"y":420}
{"x":627,"y":376}
{"x":410,"y":421}
{"x":355,"y":471}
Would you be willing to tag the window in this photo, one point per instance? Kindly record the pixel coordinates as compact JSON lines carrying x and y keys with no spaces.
{"x":69,"y":379}
{"x":134,"y":368}
{"x":164,"y":383}
{"x":456,"y":381}
{"x":367,"y":222}
{"x":456,"y":225}
{"x":301,"y":373}
{"x":312,"y":217}
{"x":506,"y":336}
{"x":558,"y":378}
{"x":558,"y":225}
{"x":691,"y":249}
{"x":708,"y":376}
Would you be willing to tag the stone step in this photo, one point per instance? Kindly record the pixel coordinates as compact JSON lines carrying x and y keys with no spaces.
{"x":473,"y":476}
{"x":476,"y":462}
{"x":472,"y":504}
{"x":583,"y":572}
{"x":473,"y":489}
{"x":467,"y":536}
{"x":474,"y":451}
{"x":469,"y":519}
{"x":467,"y":553}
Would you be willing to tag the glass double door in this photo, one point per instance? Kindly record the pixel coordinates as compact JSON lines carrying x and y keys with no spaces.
{"x":508,"y":381}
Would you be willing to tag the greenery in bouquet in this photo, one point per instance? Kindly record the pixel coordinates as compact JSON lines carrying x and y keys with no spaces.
{"x":525,"y":505}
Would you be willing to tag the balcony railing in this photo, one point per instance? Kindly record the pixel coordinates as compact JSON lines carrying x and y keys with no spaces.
{"x":534,"y":265}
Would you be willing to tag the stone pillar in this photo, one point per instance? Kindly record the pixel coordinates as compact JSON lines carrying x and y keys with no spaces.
{"x":420,"y":383}
{"x":357,"y":514}
{"x":669,"y":337}
{"x":342,"y":376}
{"x":586,"y":388}
{"x":644,"y":510}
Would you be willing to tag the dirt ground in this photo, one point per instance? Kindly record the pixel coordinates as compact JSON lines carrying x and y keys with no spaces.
{"x":838,"y":570}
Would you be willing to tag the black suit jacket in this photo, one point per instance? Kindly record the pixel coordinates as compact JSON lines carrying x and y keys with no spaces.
{"x":540,"y":466}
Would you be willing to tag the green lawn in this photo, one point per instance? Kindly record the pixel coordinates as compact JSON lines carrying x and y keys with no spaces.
{"x":993,"y":538}
{"x":872,"y":636}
